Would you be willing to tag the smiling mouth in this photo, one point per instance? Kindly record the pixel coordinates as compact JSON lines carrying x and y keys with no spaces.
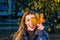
{"x":31,"y":26}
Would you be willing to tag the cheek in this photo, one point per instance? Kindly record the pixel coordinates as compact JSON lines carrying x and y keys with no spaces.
{"x":27,"y":22}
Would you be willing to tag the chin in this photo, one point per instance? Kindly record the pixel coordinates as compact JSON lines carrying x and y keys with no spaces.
{"x":31,"y":29}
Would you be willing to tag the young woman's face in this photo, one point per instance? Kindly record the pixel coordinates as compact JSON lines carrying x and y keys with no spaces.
{"x":28,"y":22}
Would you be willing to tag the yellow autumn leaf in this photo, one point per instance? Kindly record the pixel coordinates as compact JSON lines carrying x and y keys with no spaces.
{"x":38,"y":19}
{"x":37,"y":16}
{"x":41,"y":16}
{"x":34,"y":21}
{"x":41,"y":20}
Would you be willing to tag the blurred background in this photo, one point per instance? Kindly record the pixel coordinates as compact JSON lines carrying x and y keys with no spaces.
{"x":11,"y":12}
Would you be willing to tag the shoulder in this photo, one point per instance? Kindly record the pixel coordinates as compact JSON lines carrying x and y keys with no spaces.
{"x":43,"y":34}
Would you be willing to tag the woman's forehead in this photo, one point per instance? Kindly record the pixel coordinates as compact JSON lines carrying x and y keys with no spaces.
{"x":29,"y":16}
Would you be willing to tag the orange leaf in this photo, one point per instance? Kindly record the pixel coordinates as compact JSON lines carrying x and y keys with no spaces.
{"x":37,"y":16}
{"x":41,"y":20}
{"x":38,"y":19}
{"x":41,"y":16}
{"x":34,"y":21}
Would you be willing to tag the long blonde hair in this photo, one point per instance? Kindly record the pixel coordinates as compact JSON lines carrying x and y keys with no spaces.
{"x":18,"y":34}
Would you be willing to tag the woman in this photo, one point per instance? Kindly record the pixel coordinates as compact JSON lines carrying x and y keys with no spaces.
{"x":28,"y":31}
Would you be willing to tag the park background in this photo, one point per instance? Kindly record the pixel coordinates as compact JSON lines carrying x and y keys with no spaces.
{"x":11,"y":12}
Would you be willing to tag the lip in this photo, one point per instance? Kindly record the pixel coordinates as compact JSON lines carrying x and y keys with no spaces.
{"x":31,"y":26}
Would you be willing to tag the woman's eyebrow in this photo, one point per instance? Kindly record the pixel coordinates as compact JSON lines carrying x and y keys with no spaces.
{"x":27,"y":18}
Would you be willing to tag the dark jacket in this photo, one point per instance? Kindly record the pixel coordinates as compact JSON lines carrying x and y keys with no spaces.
{"x":39,"y":35}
